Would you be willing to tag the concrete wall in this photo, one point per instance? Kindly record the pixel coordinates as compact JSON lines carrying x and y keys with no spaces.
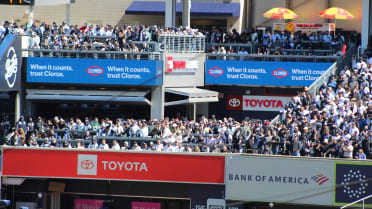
{"x":93,"y":11}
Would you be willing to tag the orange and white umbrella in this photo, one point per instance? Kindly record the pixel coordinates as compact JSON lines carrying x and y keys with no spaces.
{"x":280,"y":13}
{"x":336,"y":13}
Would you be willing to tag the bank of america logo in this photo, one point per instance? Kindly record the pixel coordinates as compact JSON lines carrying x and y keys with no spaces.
{"x":320,"y":179}
{"x":353,"y":182}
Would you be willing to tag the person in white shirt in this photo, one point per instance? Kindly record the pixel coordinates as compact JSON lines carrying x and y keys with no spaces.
{"x":348,"y":150}
{"x":126,"y":146}
{"x":93,"y":144}
{"x":136,"y":147}
{"x":79,"y":146}
{"x":133,"y":129}
{"x":115,"y":145}
{"x":179,"y":147}
{"x":103,"y":145}
{"x":143,"y":131}
{"x":158,"y":145}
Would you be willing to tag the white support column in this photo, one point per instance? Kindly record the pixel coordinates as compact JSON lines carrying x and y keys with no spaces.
{"x":170,"y":13}
{"x":68,"y":14}
{"x":365,"y":23}
{"x":157,"y":102}
{"x":186,"y":6}
{"x":30,"y":15}
{"x":17,"y":108}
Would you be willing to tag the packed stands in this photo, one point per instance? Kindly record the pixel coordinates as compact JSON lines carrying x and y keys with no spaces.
{"x":144,"y":38}
{"x":334,"y":123}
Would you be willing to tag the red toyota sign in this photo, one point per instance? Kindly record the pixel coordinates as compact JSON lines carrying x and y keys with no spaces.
{"x":234,"y":102}
{"x":159,"y":167}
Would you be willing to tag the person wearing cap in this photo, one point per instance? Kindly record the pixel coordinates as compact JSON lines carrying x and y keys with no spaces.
{"x":145,"y":147}
{"x":151,"y":146}
{"x":125,"y":146}
{"x":187,"y":148}
{"x":348,"y":150}
{"x":135,"y":147}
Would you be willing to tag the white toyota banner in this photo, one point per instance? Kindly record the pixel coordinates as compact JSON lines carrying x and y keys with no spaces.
{"x":273,"y":179}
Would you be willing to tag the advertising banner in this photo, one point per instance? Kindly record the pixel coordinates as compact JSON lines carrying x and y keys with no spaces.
{"x":186,"y":69}
{"x":94,"y":71}
{"x":305,"y":27}
{"x":87,"y":203}
{"x":353,"y":182}
{"x":272,"y":179}
{"x":260,"y":73}
{"x":157,"y":167}
{"x":256,"y":103}
{"x":10,"y":63}
{"x":146,"y":205}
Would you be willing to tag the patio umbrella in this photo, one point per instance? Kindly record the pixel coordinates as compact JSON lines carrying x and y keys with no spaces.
{"x":280,"y":13}
{"x":336,"y":13}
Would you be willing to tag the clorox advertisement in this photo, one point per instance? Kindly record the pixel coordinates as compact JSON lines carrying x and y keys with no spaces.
{"x":254,"y":73}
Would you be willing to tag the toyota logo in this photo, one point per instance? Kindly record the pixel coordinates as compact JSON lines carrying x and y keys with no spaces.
{"x":234,"y":102}
{"x":87,"y":164}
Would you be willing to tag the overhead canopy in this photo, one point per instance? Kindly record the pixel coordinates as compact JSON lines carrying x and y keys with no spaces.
{"x":197,"y":8}
{"x":194,"y":95}
{"x":81,"y":95}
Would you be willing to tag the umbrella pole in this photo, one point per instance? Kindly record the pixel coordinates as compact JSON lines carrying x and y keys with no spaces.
{"x":334,"y":31}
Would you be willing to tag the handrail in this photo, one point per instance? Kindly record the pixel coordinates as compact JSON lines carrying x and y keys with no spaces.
{"x":258,"y":57}
{"x":364,"y":198}
{"x":93,"y":54}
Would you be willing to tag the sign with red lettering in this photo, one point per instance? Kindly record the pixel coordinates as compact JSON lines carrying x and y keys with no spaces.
{"x":306,"y":27}
{"x":87,"y":204}
{"x":146,"y":205}
{"x":256,"y":103}
{"x":114,"y":165}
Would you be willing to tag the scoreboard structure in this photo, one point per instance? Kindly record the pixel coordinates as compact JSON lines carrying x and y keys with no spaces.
{"x":17,"y":2}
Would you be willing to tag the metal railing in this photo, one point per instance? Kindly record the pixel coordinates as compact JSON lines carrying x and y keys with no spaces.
{"x":278,"y":58}
{"x":236,"y":46}
{"x":181,"y":43}
{"x":92,"y":54}
{"x":361,"y":200}
{"x":314,"y":87}
{"x":346,"y":58}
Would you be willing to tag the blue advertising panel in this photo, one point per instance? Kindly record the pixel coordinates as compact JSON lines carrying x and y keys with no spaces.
{"x":94,"y":71}
{"x":263,"y":73}
{"x":353,"y":182}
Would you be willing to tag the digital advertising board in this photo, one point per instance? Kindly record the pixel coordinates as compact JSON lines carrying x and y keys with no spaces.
{"x":261,"y":73}
{"x":94,"y":71}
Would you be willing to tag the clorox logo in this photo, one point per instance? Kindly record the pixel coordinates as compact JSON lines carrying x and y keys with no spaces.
{"x":215,"y":71}
{"x":95,"y":71}
{"x":280,"y":73}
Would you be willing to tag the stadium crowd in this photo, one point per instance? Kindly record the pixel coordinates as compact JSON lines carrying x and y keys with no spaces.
{"x":123,"y":38}
{"x":336,"y":123}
